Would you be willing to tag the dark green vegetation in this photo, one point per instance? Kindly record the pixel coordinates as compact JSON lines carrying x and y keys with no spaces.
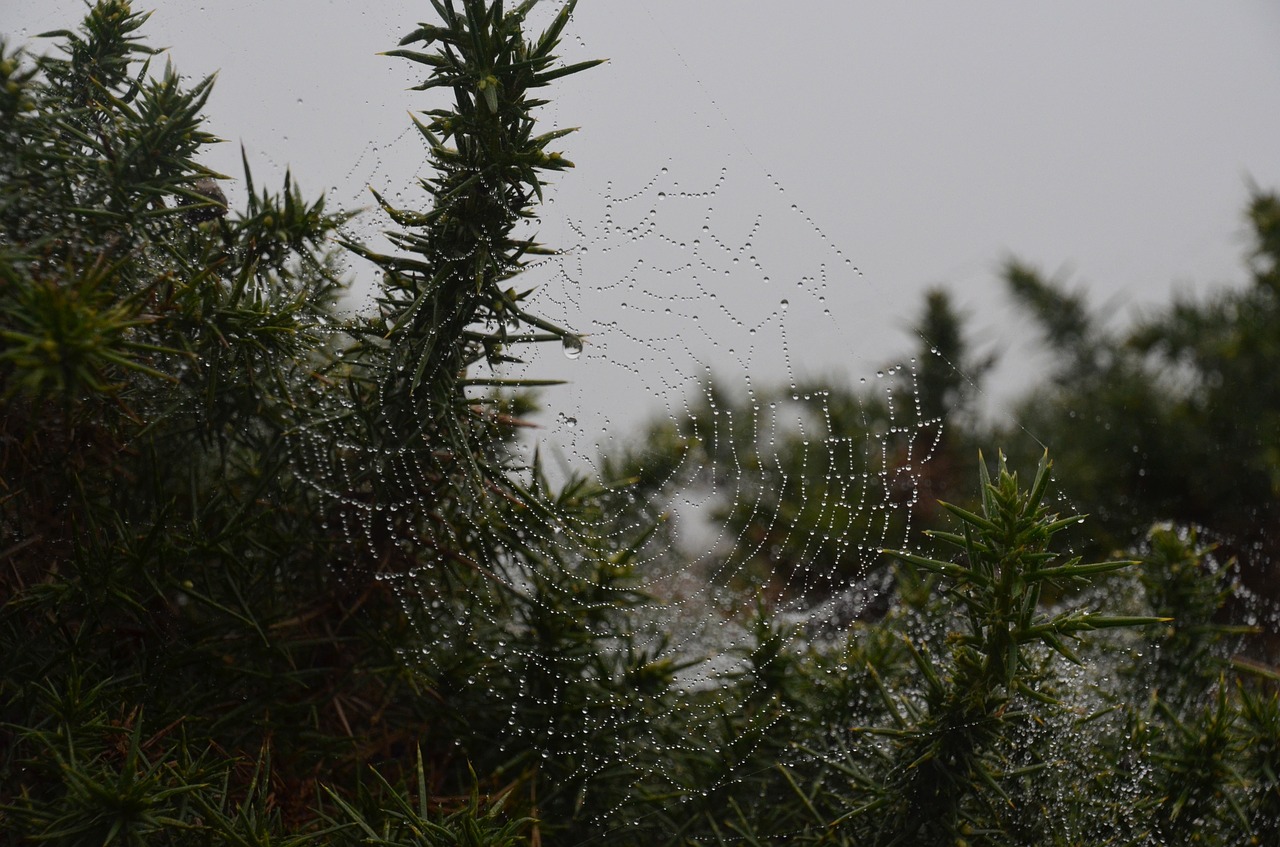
{"x":1184,"y":405}
{"x":273,"y":575}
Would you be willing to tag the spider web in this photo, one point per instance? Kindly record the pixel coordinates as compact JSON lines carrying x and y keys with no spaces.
{"x":713,"y":308}
{"x":698,"y":321}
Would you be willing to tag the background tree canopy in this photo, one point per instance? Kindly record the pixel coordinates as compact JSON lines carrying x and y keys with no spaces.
{"x":274,"y":574}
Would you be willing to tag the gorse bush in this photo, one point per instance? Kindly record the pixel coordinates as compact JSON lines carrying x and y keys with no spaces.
{"x":220,"y":493}
{"x":274,"y":574}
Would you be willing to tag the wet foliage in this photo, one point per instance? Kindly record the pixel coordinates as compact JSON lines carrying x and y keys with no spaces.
{"x":273,"y":574}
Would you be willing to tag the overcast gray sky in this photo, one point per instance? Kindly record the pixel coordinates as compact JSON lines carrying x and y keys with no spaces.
{"x":919,"y":143}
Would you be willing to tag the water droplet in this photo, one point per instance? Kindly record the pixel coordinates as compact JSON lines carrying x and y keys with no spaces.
{"x":785,"y":304}
{"x":572,"y":346}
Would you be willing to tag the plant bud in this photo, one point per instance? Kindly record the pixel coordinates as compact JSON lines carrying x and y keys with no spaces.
{"x":207,"y":188}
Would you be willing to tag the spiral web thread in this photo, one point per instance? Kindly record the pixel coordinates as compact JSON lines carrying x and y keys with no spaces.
{"x":691,"y":311}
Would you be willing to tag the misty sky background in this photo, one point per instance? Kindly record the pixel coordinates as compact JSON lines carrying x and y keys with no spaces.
{"x":766,"y":194}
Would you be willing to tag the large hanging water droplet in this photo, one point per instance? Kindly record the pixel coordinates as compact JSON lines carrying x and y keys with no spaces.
{"x":572,"y":346}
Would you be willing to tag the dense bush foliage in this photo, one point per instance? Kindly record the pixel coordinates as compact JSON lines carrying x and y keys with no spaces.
{"x":1183,"y":404}
{"x":271,"y":574}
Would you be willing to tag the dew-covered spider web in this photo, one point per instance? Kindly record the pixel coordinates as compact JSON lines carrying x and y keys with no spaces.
{"x":735,"y":400}
{"x":756,"y":461}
